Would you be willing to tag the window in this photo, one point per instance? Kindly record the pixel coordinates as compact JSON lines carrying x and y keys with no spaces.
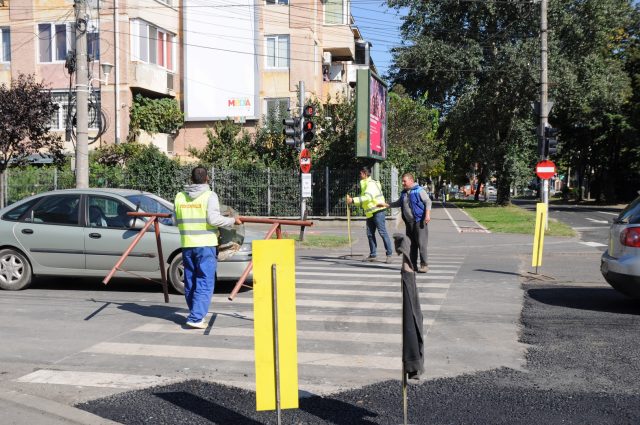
{"x":277,"y":51}
{"x":277,"y":108}
{"x":151,"y":44}
{"x":57,"y":209}
{"x":108,"y":212}
{"x":93,"y":45}
{"x":59,"y":117}
{"x":16,"y":213}
{"x":336,"y":12}
{"x":153,"y":204}
{"x":54,"y":41}
{"x":5,"y":37}
{"x":284,"y":2}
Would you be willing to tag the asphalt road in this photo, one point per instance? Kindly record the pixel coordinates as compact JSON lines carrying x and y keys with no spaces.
{"x":502,"y":345}
{"x":591,"y":222}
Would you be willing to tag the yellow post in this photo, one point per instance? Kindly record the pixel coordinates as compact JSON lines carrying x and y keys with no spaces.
{"x":538,"y":237}
{"x":266,"y":253}
{"x":349,"y":225}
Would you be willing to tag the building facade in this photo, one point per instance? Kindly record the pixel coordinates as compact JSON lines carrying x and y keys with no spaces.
{"x":221,"y":59}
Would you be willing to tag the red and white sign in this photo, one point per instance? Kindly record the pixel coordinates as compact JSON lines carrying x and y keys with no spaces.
{"x":305,"y":161}
{"x":545,"y":169}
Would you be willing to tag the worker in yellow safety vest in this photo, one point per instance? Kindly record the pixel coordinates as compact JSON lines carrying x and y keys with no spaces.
{"x":197,"y":212}
{"x":370,"y":196}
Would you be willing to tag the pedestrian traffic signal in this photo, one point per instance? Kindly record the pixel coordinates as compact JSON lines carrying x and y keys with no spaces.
{"x":550,"y":141}
{"x":291,"y":131}
{"x":308,"y":126}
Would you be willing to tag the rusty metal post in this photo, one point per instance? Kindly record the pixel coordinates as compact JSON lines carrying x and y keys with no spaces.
{"x":275,"y":228}
{"x":153,"y":218}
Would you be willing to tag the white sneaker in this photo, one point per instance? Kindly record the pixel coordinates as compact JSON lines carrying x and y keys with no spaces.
{"x":202,"y":324}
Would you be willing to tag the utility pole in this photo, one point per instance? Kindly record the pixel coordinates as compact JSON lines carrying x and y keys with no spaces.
{"x":116,"y":70}
{"x":82,"y":96}
{"x":544,"y":92}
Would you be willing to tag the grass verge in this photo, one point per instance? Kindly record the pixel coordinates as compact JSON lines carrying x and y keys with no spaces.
{"x":509,"y":219}
{"x":317,"y":241}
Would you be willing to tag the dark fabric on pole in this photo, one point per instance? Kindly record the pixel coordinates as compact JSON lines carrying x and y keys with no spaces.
{"x":412,"y":335}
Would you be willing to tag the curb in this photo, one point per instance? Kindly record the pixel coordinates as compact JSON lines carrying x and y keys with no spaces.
{"x":52,"y":409}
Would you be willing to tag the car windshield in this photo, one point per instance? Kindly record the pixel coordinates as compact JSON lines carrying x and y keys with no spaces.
{"x":631,"y":214}
{"x":153,"y":204}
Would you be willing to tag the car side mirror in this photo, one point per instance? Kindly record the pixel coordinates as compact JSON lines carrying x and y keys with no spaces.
{"x":136,"y":223}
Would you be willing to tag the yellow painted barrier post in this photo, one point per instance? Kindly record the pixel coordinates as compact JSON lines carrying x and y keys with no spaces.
{"x":349,"y":225}
{"x":538,"y":236}
{"x":275,"y":321}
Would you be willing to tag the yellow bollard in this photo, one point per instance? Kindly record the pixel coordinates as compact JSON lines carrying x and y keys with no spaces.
{"x":538,"y":236}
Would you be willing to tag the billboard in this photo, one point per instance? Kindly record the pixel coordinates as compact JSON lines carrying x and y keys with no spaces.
{"x":220,"y":60}
{"x":371,"y":116}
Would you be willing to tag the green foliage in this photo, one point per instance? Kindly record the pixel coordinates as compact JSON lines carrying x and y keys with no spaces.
{"x":412,"y":127}
{"x":155,"y":115}
{"x":26,"y":108}
{"x":228,"y":146}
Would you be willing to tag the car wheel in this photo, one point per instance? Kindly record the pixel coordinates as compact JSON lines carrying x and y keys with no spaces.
{"x":15,"y":270}
{"x":176,"y":274}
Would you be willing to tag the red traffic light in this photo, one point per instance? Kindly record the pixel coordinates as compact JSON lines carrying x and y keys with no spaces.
{"x":308,"y":125}
{"x":309,"y":111}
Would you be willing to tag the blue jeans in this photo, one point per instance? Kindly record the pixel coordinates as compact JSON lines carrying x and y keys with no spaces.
{"x":199,"y":279}
{"x":373,"y":223}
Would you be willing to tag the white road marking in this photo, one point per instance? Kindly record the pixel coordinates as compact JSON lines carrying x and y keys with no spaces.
{"x":372,"y":276}
{"x":92,"y":379}
{"x":337,"y":304}
{"x":241,"y":355}
{"x":361,"y":265}
{"x":452,"y":220}
{"x":597,"y":221}
{"x":608,"y":213}
{"x":397,"y":293}
{"x":388,"y":284}
{"x":590,"y":228}
{"x":593,"y":244}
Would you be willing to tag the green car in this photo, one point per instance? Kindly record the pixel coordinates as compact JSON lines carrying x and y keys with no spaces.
{"x":83,"y":232}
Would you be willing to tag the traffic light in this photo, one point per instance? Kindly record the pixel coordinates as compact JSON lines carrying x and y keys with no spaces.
{"x":291,"y":131}
{"x":550,"y":141}
{"x":308,"y":126}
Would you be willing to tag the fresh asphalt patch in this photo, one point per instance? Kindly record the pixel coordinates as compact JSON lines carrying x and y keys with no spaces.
{"x":583,"y":366}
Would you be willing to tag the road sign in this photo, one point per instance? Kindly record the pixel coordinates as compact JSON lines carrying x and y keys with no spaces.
{"x":305,"y":161}
{"x":545,"y":169}
{"x":306,"y":185}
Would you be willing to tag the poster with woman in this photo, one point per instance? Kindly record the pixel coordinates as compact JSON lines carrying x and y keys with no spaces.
{"x":377,"y":117}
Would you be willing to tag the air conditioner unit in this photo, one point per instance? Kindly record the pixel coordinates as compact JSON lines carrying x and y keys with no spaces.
{"x":326,"y":58}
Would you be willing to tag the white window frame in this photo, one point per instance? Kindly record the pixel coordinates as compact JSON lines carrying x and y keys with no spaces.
{"x":59,"y":97}
{"x":277,"y":2}
{"x":69,"y":40}
{"x":140,"y":31}
{"x":345,"y":13}
{"x":5,"y":32}
{"x":277,"y":55}
{"x":275,"y":99}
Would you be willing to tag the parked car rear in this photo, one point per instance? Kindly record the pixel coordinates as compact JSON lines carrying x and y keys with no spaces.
{"x":620,"y":263}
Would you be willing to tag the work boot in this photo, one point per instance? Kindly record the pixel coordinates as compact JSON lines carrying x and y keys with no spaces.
{"x":423,"y":268}
{"x":369,"y":259}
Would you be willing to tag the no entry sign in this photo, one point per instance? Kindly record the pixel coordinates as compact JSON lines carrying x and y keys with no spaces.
{"x":545,"y":169}
{"x":305,"y":161}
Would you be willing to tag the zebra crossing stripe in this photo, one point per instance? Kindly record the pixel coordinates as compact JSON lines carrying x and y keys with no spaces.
{"x":359,"y":266}
{"x":356,"y":305}
{"x":247,"y":332}
{"x":242,"y":355}
{"x":93,"y":379}
{"x":394,"y":283}
{"x":397,"y":293}
{"x":361,"y":275}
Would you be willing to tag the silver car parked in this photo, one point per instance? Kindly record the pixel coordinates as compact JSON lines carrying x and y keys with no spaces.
{"x":620,"y":264}
{"x":83,"y":232}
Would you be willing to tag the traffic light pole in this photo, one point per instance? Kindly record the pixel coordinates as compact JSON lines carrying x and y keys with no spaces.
{"x":303,"y":201}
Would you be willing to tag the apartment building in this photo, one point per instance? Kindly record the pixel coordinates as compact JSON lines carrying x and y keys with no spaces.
{"x":136,"y":40}
{"x":244,"y":59}
{"x":221,"y":59}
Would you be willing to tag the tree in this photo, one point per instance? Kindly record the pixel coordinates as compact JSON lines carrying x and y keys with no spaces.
{"x":25,"y":115}
{"x":228,"y":146}
{"x":154,"y":116}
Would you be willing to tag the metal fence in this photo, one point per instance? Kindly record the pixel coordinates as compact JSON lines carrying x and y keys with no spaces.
{"x":267,"y":192}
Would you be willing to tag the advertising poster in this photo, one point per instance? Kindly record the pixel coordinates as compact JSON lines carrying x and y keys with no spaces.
{"x":377,"y":117}
{"x":371,"y":116}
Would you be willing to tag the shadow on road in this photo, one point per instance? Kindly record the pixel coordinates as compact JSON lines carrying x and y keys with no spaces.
{"x":206,"y":409}
{"x":595,"y":299}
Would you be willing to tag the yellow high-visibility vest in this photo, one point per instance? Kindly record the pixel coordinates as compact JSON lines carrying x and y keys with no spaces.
{"x":191,"y":215}
{"x":370,"y":196}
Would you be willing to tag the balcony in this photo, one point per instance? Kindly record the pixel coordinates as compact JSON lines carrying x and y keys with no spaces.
{"x":152,"y":77}
{"x":338,"y":39}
